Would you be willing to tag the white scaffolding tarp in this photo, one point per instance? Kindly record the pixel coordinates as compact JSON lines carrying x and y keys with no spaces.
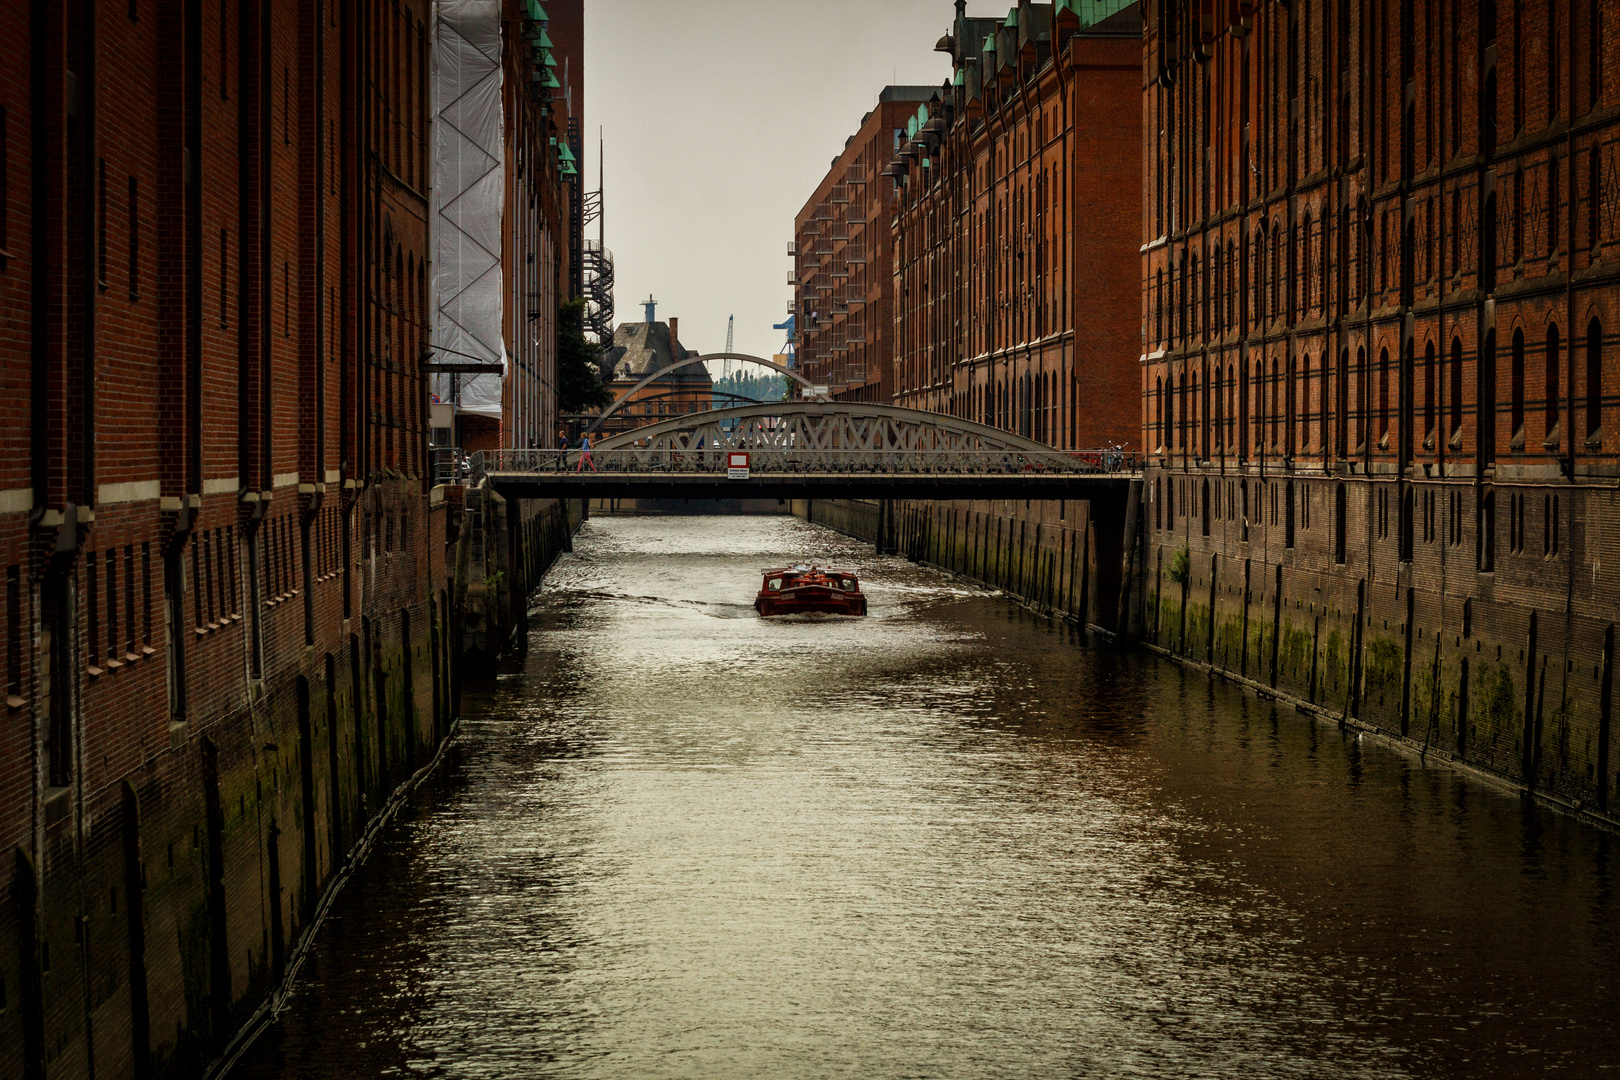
{"x":468,"y":197}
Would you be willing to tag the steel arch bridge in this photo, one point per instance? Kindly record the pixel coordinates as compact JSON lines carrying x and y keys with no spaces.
{"x":809,"y":449}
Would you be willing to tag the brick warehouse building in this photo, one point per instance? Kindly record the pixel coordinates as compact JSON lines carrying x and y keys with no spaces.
{"x":843,"y":272}
{"x":1016,"y":294}
{"x":1380,"y":382}
{"x":228,"y":621}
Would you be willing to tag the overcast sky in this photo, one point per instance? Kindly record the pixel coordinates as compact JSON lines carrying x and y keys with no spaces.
{"x":721,"y":117}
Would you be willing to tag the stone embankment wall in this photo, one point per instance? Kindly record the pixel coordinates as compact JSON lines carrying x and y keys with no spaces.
{"x":503,"y":551}
{"x":198,"y":878}
{"x":1065,"y":557}
{"x":1301,"y":586}
{"x":1507,"y":673}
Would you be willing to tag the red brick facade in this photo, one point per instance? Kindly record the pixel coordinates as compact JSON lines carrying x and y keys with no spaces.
{"x":1015,"y":209}
{"x":1381,"y":285}
{"x":226,"y":610}
{"x":843,"y":272}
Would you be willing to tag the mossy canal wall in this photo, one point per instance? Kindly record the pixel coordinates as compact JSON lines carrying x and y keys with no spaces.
{"x":1508,"y":674}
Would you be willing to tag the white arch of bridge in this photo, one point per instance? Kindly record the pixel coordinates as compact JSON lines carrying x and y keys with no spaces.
{"x":652,"y":377}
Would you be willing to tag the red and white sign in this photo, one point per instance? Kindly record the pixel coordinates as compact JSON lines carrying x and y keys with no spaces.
{"x":736,"y":465}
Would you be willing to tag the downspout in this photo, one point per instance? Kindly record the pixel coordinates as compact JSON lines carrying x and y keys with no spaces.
{"x":86,"y":95}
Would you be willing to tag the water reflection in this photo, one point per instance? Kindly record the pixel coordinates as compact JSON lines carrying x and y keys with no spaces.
{"x":945,"y":840}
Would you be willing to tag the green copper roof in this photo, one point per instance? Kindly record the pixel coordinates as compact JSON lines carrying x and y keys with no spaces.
{"x":922,"y":115}
{"x":911,"y":127}
{"x":1012,"y":20}
{"x":545,"y":41}
{"x":957,"y":81}
{"x":1091,"y":12}
{"x":551,"y":81}
{"x":564,"y":153}
{"x":549,"y":60}
{"x":989,"y":43}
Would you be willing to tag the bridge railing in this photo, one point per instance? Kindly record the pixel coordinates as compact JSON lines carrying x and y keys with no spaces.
{"x":800,"y":461}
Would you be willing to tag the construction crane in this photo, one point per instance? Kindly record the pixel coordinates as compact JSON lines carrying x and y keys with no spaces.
{"x":731,"y":325}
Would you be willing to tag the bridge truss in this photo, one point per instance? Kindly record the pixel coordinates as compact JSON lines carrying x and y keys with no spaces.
{"x":809,"y":447}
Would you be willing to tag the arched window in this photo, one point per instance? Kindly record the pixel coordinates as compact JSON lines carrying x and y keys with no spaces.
{"x":1258,"y":400}
{"x":1429,"y":390}
{"x":1193,"y":295}
{"x":1272,"y":410}
{"x":1195,"y":418}
{"x":1307,"y":257}
{"x":1456,"y":409}
{"x":1485,"y":413}
{"x":1231,"y":402}
{"x":1231,"y":282}
{"x":1363,"y":402}
{"x":1550,"y":363}
{"x":1341,"y":419}
{"x":1158,"y":305}
{"x":1292,"y":399}
{"x":1516,"y":441}
{"x":1274,"y":307}
{"x":1322,"y":264}
{"x":1158,"y":410}
{"x":1594,"y":384}
{"x":1170,"y":414}
{"x":1257,"y":311}
{"x":1383,"y":399}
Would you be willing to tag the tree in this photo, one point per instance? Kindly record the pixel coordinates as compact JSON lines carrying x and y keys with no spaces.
{"x":579,"y":386}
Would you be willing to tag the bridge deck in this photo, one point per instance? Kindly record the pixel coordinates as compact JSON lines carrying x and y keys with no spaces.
{"x":808,"y":485}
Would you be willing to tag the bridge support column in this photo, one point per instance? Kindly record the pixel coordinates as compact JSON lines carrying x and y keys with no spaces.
{"x":1133,"y":511}
{"x":1109,"y":515}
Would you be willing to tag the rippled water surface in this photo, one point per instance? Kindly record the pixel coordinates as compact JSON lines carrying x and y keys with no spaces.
{"x":946,"y":840}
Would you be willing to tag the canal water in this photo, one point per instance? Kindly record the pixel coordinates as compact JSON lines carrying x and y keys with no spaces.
{"x":951,"y":839}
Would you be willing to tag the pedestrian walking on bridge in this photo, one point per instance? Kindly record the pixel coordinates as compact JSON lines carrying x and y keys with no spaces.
{"x":585,"y":453}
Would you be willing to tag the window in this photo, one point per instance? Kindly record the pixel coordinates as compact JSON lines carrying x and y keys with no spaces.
{"x":129,"y":601}
{"x":1517,"y":440}
{"x":1288,"y":522}
{"x":1428,"y":396}
{"x":92,"y":610}
{"x":14,"y":634}
{"x":146,"y":593}
{"x":1550,"y":363}
{"x":1594,"y":385}
{"x":1456,"y":393}
{"x":1383,"y":399}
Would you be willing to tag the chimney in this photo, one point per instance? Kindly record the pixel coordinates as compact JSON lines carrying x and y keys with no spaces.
{"x":675,"y":336}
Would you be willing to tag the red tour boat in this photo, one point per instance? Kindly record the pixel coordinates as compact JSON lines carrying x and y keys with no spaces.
{"x":793,"y":589}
